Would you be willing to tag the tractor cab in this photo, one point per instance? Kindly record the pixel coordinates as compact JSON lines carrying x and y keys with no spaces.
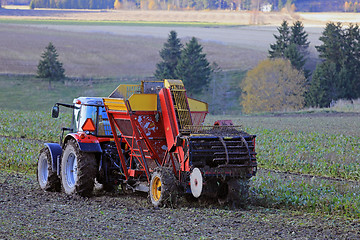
{"x":89,"y":116}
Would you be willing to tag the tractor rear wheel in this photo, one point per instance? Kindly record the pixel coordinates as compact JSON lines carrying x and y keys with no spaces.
{"x":47,"y":179}
{"x":163,"y":188}
{"x":78,"y":170}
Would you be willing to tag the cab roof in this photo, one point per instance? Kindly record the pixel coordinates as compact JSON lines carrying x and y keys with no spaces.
{"x":97,"y":101}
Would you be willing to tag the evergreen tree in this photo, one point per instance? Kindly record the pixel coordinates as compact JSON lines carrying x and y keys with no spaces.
{"x":324,"y":86}
{"x":282,"y":41}
{"x":295,"y":57}
{"x":49,"y":66}
{"x":291,"y":44}
{"x":193,"y":67}
{"x":338,"y":75}
{"x":332,"y":47}
{"x":170,"y":55}
{"x":299,"y":36}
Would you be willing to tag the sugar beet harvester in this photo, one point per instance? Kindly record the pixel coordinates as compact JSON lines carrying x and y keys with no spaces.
{"x":149,"y":138}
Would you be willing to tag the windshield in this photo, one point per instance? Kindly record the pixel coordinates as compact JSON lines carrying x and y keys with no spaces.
{"x":97,"y":115}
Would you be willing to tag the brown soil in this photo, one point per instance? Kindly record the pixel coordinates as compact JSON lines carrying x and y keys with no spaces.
{"x":26,"y":212}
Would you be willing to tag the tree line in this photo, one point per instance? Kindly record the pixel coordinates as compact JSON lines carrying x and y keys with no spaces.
{"x":239,"y":5}
{"x":282,"y":83}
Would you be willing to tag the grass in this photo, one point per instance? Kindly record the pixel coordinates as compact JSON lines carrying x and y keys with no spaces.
{"x":26,"y":92}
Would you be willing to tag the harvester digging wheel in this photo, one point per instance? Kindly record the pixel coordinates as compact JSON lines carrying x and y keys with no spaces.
{"x":48,"y":180}
{"x":78,"y":170}
{"x":162,"y":190}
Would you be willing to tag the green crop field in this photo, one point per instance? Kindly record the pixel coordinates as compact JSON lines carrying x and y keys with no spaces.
{"x":318,"y":167}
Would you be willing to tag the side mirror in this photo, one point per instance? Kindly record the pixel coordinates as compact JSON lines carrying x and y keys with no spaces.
{"x":55,"y":111}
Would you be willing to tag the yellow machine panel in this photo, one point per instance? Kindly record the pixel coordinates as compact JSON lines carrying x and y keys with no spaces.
{"x":117,"y":104}
{"x":143,"y":102}
{"x":197,"y":106}
{"x":125,"y":91}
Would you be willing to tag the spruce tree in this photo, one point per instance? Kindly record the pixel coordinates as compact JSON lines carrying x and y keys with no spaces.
{"x":338,"y":75}
{"x":49,"y":66}
{"x":299,"y":36}
{"x":193,"y":67}
{"x":291,"y":44}
{"x":282,"y":41}
{"x":170,"y":55}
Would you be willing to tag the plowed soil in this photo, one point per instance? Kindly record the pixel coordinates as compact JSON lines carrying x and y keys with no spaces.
{"x":26,"y":212}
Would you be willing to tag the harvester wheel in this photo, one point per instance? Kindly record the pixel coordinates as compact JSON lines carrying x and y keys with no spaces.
{"x":163,"y":188}
{"x":78,"y":170}
{"x":47,"y":179}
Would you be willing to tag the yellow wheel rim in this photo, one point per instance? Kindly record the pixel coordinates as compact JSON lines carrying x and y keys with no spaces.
{"x":156,"y":188}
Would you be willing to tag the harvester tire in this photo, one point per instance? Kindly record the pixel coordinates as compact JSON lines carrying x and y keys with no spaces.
{"x":163,"y":188}
{"x":47,"y":179}
{"x":78,"y":170}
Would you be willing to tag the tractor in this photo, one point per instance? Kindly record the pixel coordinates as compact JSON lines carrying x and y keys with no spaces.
{"x":149,"y":137}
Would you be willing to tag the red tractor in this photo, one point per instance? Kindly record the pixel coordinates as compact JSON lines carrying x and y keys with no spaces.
{"x":151,"y":138}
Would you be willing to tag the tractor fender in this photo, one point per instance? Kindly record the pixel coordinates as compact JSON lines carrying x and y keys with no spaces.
{"x":55,"y":153}
{"x":86,"y":143}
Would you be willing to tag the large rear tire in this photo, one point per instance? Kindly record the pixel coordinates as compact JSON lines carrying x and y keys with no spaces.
{"x":163,"y":188}
{"x":78,"y":170}
{"x":47,"y":179}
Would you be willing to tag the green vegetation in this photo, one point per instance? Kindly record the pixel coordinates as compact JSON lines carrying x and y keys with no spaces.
{"x":170,"y":55}
{"x":327,"y":148}
{"x":337,"y":77}
{"x":187,"y":63}
{"x":22,"y":134}
{"x":291,"y":44}
{"x":317,"y":195}
{"x":26,"y":92}
{"x":324,"y":151}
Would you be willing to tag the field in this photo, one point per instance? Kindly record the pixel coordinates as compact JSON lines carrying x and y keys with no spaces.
{"x":315,"y":169}
{"x":309,"y":162}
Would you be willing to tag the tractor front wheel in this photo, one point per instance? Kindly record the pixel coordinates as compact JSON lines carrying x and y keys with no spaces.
{"x":47,"y":179}
{"x":163,"y":190}
{"x":78,"y":170}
